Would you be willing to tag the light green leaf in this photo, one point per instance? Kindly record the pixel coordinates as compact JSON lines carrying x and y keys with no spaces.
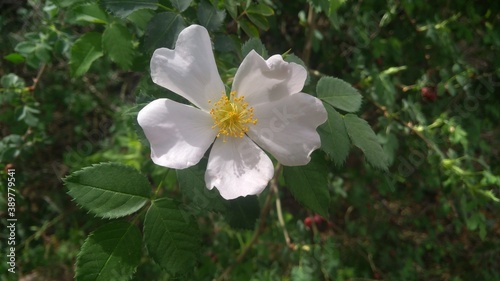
{"x":84,"y":52}
{"x":334,"y":138}
{"x":172,"y":237}
{"x":209,"y":16}
{"x":260,"y":9}
{"x":162,"y":31}
{"x":110,"y":253}
{"x":117,"y":42}
{"x":254,"y":44}
{"x":90,"y":13}
{"x":339,"y":94}
{"x":109,"y":190}
{"x":123,"y":8}
{"x":308,"y":184}
{"x":192,"y":184}
{"x":364,"y":138}
{"x":181,"y":5}
{"x":14,"y":58}
{"x":249,"y":28}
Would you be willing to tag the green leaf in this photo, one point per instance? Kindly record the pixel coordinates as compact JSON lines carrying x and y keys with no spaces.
{"x":259,"y":20}
{"x":308,"y":184}
{"x":12,"y":81}
{"x":123,"y":8}
{"x":117,"y":42}
{"x":112,"y":252}
{"x":209,"y":16}
{"x":243,"y":212}
{"x":109,"y":190}
{"x":249,"y":28}
{"x":232,"y":8}
{"x":254,"y":44}
{"x":84,"y":52}
{"x":181,"y":5}
{"x":14,"y":58}
{"x":364,"y":138}
{"x":334,"y":139}
{"x":339,"y":94}
{"x":172,"y":237}
{"x":90,"y":13}
{"x":192,"y":183}
{"x":162,"y":31}
{"x":260,"y":9}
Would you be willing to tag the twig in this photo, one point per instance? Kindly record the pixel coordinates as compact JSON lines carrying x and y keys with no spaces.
{"x":260,"y":229}
{"x":309,"y":37}
{"x":274,"y":188}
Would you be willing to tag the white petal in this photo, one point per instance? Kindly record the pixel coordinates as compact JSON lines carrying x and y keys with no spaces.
{"x":262,"y":81}
{"x":287,"y":128}
{"x":189,"y":70}
{"x":179,"y":134}
{"x":238,"y":167}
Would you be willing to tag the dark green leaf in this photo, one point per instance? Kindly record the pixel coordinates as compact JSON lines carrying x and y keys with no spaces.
{"x":339,"y":94}
{"x":172,"y":236}
{"x":259,"y":20}
{"x":109,"y":190}
{"x":260,"y":9}
{"x":209,"y":16}
{"x":364,"y":138}
{"x":334,"y":138}
{"x":254,"y":44}
{"x":123,"y":8}
{"x":243,"y":212}
{"x":192,"y":183}
{"x":117,"y":42}
{"x":181,"y":5}
{"x":162,"y":31}
{"x":110,"y":253}
{"x":308,"y":184}
{"x":232,"y":7}
{"x":249,"y":28}
{"x":84,"y":52}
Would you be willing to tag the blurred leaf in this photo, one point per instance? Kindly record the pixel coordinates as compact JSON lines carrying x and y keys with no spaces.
{"x":249,"y":28}
{"x":14,"y":58}
{"x":123,"y":8}
{"x":192,"y":183}
{"x":25,"y":47}
{"x":308,"y":184}
{"x":112,"y":252}
{"x":109,"y":190}
{"x":117,"y":42}
{"x":260,"y":9}
{"x":243,"y":212}
{"x":339,"y":94}
{"x":172,"y":236}
{"x":12,"y":81}
{"x":162,"y":31}
{"x":364,"y":138}
{"x":334,"y":139}
{"x":254,"y":44}
{"x":84,"y":52}
{"x":28,"y":116}
{"x":209,"y":16}
{"x":259,"y":20}
{"x":181,"y":5}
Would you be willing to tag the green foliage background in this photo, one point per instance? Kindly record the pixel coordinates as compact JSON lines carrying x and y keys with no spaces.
{"x":75,"y":73}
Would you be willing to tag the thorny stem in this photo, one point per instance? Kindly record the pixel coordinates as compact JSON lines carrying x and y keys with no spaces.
{"x":260,"y":229}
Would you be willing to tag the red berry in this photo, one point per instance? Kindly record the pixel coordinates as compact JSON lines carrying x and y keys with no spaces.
{"x":429,"y":94}
{"x":308,"y":222}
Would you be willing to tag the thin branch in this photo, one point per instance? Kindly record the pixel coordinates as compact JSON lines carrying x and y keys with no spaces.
{"x":260,"y":229}
{"x":311,"y":25}
{"x":279,"y":212}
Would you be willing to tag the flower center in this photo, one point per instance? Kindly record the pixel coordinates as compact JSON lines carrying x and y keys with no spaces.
{"x":232,"y":116}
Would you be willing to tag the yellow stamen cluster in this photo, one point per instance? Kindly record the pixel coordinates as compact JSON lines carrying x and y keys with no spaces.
{"x":232,"y":116}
